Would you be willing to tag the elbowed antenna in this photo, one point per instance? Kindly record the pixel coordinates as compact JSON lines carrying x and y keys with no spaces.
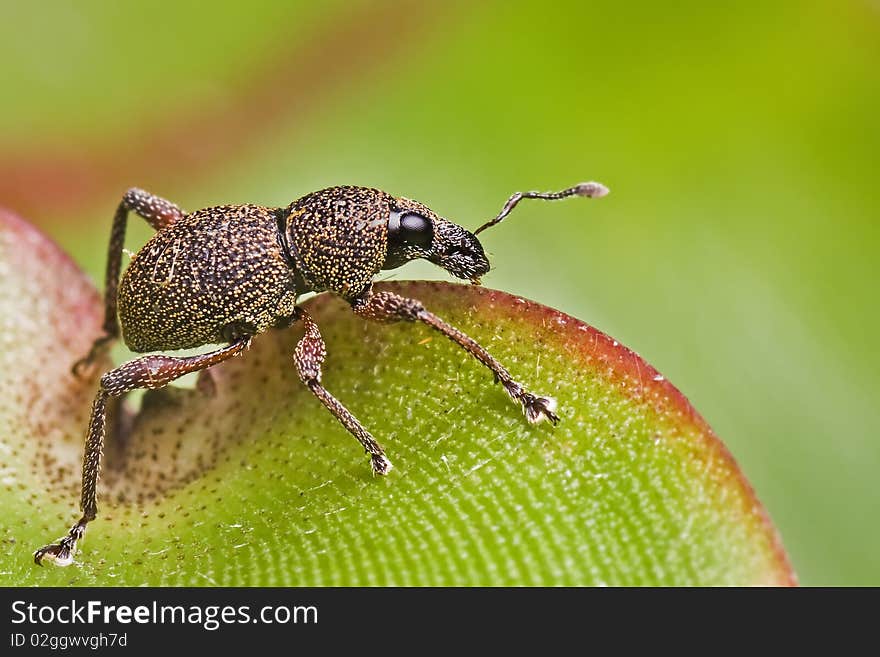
{"x":586,"y":189}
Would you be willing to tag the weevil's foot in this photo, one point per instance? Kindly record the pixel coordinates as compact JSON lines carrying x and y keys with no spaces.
{"x":539,"y":408}
{"x":535,"y":408}
{"x":381,"y":464}
{"x":61,"y":553}
{"x":84,"y":368}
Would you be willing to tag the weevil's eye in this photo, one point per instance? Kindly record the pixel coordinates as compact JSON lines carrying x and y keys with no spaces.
{"x":409,"y":228}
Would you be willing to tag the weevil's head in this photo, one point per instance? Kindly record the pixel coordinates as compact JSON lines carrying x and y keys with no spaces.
{"x":415,"y":231}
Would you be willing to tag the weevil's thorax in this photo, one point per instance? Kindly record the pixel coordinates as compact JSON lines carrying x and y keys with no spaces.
{"x":337,"y":238}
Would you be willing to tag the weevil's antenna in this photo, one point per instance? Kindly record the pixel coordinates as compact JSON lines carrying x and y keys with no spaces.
{"x":587,"y":189}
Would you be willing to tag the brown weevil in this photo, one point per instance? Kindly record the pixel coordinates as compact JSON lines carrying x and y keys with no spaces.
{"x":223,"y":274}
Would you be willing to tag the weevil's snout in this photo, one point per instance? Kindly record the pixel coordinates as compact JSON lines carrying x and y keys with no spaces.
{"x":414,"y":231}
{"x":458,"y":251}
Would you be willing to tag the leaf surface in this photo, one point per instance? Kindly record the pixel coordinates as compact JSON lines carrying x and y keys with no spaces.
{"x":256,"y":484}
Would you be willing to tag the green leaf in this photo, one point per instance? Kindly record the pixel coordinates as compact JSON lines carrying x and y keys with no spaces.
{"x":254,"y":483}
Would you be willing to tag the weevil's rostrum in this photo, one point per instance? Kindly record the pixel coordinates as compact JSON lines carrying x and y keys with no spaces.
{"x":223,"y":275}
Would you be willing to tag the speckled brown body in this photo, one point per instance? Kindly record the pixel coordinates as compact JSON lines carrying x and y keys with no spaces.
{"x":214,"y":273}
{"x":226,"y":273}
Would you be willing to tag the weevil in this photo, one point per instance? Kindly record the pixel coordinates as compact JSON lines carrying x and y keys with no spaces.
{"x":224,"y":274}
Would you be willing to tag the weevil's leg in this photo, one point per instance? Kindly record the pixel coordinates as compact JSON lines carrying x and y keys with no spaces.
{"x":153,"y":371}
{"x":160,"y":214}
{"x":308,"y":357}
{"x":390,"y":307}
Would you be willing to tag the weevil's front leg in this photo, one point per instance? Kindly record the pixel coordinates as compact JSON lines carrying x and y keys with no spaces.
{"x":154,"y":371}
{"x":390,"y":307}
{"x":308,"y":357}
{"x":160,"y":214}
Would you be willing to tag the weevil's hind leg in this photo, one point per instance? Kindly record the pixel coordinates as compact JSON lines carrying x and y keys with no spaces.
{"x":153,"y":371}
{"x":308,"y":357}
{"x":390,"y":307}
{"x":61,"y":553}
{"x":160,"y":214}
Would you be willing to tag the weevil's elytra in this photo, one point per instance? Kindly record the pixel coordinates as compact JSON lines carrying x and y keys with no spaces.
{"x":167,"y":301}
{"x":227,"y":273}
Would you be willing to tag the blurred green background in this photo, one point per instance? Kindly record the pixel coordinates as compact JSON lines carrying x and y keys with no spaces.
{"x":737,"y":252}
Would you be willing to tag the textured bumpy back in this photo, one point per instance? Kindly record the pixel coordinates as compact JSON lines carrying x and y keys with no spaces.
{"x":338,"y":237}
{"x":214,"y":268}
